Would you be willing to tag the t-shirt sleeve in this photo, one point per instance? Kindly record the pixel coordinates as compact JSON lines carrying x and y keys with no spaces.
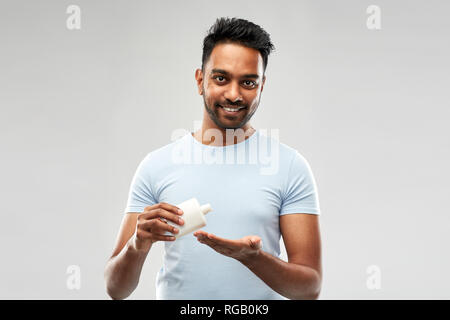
{"x":300,"y":191}
{"x":140,"y":194}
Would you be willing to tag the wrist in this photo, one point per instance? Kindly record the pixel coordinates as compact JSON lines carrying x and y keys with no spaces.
{"x":135,"y":245}
{"x":251,"y":259}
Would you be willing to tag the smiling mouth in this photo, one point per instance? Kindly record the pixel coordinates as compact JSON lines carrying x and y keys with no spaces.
{"x":229,"y":109}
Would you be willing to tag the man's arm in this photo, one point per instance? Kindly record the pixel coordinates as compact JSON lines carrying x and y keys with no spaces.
{"x":137,"y":234}
{"x":301,"y":276}
{"x":123,"y":268}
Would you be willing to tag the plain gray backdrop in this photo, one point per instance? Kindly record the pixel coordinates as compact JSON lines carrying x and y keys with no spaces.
{"x":369,"y":110}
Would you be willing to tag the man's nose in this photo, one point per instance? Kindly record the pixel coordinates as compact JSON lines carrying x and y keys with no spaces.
{"x":233,"y":93}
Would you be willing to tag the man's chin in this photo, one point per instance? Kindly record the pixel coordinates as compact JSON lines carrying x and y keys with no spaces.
{"x":229,"y":124}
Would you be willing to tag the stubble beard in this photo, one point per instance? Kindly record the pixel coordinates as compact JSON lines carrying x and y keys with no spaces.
{"x":215,"y":118}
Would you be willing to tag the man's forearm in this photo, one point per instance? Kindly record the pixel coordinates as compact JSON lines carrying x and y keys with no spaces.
{"x":291,"y":280}
{"x":122,"y":272}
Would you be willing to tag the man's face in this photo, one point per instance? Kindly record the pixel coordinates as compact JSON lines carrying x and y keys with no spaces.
{"x":232,"y":78}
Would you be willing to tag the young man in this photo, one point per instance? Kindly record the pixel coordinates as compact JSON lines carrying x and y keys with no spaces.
{"x":236,"y":255}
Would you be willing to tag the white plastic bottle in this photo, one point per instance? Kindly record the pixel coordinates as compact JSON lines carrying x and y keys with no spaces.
{"x":193,"y":217}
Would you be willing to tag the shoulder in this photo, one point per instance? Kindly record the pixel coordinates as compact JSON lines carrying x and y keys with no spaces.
{"x":287,"y":154}
{"x":161,"y":156}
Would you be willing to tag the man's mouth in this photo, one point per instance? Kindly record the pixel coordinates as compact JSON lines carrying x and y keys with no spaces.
{"x":231,"y":109}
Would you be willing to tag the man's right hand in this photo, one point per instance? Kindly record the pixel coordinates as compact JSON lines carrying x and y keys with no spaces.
{"x":151,"y":225}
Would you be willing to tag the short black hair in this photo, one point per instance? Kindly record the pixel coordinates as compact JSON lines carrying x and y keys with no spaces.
{"x":240,"y":31}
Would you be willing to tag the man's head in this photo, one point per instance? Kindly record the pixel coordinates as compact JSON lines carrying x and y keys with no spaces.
{"x":235,"y":55}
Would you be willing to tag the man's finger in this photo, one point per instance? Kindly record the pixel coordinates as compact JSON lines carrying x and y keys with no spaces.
{"x":224,"y":242}
{"x":255,"y":243}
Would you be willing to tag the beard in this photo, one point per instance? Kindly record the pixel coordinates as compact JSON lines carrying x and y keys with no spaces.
{"x":236,"y":124}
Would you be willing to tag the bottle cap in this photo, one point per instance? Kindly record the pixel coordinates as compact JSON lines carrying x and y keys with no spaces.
{"x":205,"y":208}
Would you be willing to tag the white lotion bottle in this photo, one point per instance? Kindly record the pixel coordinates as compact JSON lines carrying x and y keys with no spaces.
{"x":193,"y":217}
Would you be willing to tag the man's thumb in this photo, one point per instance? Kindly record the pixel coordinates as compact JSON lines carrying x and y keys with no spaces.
{"x":256,"y":243}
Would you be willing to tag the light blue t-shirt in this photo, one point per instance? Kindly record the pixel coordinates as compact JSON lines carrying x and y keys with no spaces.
{"x":248,"y":185}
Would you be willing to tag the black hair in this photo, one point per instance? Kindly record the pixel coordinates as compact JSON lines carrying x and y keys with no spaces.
{"x":240,"y":31}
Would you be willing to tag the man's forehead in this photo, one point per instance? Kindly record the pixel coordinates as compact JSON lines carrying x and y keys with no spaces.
{"x":235,"y":59}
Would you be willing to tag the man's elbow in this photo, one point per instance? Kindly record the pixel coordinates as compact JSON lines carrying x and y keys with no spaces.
{"x":114,"y":296}
{"x":318,"y":286}
{"x":314,"y":289}
{"x":312,"y":295}
{"x":315,"y":295}
{"x":110,"y":290}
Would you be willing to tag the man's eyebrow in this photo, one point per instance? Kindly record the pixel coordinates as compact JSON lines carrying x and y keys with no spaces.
{"x":224,"y":72}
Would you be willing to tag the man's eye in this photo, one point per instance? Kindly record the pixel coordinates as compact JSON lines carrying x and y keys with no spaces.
{"x":219,"y":78}
{"x":250,"y":83}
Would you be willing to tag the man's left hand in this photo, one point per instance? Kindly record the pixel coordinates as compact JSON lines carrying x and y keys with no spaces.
{"x":242,"y":249}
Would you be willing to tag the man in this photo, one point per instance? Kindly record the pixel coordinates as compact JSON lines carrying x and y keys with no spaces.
{"x":236,"y":255}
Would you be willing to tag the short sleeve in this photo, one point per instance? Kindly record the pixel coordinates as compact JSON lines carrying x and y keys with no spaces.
{"x":140,"y":194}
{"x":300,"y":190}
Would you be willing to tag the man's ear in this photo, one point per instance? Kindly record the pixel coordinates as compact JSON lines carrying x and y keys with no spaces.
{"x":263,"y":81}
{"x":199,"y":79}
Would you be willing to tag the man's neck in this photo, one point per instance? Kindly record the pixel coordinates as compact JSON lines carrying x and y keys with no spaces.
{"x":219,"y":138}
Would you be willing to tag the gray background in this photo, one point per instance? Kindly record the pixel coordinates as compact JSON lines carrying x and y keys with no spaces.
{"x":367,"y":108}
